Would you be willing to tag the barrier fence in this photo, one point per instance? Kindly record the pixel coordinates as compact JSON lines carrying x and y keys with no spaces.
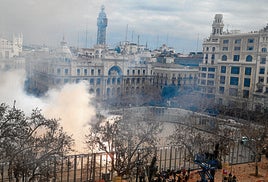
{"x":97,"y":167}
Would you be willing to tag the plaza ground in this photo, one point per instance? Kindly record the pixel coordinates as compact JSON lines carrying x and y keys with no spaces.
{"x":243,"y":172}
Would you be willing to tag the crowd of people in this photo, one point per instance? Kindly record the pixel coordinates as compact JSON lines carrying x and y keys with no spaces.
{"x":173,"y":176}
{"x":229,"y":178}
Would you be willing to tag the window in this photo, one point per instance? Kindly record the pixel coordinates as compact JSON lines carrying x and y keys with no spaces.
{"x":237,"y":41}
{"x":66,"y":80}
{"x":203,"y":75}
{"x":127,"y":81}
{"x":203,"y":82}
{"x":133,"y":72}
{"x":222,"y":79}
{"x":143,"y":72}
{"x":213,"y":49}
{"x":85,"y":72}
{"x":263,"y":61}
{"x":251,"y":40}
{"x":223,"y":69}
{"x":221,"y":90}
{"x":213,"y":56}
{"x":245,"y":93}
{"x":211,"y":69}
{"x":92,"y":71}
{"x":207,"y":48}
{"x":237,"y":48}
{"x":224,"y":58}
{"x":249,"y":58}
{"x":210,"y":75}
{"x":233,"y":91}
{"x":204,"y":69}
{"x":108,"y":81}
{"x":91,"y":81}
{"x":246,"y":82}
{"x":225,"y":41}
{"x":143,"y":80}
{"x":113,"y":81}
{"x":263,"y":49}
{"x":78,"y":71}
{"x":235,"y":70}
{"x":139,"y":72}
{"x":58,"y":71}
{"x":99,"y":72}
{"x":247,"y":71}
{"x":210,"y":90}
{"x":234,"y":80}
{"x":98,"y":81}
{"x":127,"y":72}
{"x":98,"y":91}
{"x":210,"y":82}
{"x":250,"y":48}
{"x":225,"y":48}
{"x":236,"y":57}
{"x":66,"y":71}
{"x":91,"y":90}
{"x":262,"y":71}
{"x":108,"y":92}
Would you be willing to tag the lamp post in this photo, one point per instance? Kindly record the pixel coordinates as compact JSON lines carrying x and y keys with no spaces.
{"x":138,"y":165}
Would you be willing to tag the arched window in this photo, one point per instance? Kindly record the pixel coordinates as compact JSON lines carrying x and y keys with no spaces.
{"x":224,"y":58}
{"x":213,"y":49}
{"x":249,"y":58}
{"x":264,"y":49}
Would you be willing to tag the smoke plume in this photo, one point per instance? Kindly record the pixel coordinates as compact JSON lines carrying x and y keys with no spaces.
{"x":71,"y":104}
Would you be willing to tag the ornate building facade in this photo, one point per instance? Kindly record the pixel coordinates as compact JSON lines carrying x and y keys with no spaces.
{"x":129,"y":73}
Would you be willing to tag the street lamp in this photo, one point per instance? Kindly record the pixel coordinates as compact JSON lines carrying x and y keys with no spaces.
{"x":138,"y":163}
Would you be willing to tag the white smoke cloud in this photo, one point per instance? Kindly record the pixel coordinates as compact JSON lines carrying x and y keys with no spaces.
{"x":72,"y":103}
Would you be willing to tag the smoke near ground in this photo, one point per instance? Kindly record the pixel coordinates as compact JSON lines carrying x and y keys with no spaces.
{"x":72,"y":103}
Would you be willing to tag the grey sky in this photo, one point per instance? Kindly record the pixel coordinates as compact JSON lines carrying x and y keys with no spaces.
{"x":180,"y":23}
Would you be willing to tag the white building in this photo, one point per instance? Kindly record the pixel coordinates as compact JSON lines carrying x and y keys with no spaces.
{"x":234,"y":70}
{"x":10,"y":53}
{"x":10,"y":49}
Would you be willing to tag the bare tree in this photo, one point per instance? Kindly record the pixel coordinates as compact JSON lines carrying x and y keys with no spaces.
{"x":30,"y":143}
{"x":256,"y":140}
{"x":201,"y":134}
{"x":126,"y":142}
{"x":254,"y":129}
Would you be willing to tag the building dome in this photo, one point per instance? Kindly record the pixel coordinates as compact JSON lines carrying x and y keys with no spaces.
{"x":64,"y":50}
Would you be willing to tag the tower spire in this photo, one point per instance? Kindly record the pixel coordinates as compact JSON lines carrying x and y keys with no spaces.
{"x":102,"y":22}
{"x":217,"y":26}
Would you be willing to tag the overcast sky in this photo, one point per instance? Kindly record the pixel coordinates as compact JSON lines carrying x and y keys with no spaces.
{"x":182,"y":24}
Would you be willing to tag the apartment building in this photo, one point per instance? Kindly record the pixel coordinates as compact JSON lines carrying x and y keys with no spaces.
{"x":234,"y":69}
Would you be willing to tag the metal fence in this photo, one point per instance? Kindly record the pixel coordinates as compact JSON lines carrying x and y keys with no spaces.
{"x":97,"y":167}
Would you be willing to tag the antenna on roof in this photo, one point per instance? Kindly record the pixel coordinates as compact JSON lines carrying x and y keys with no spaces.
{"x":197,"y":42}
{"x":126,"y":32}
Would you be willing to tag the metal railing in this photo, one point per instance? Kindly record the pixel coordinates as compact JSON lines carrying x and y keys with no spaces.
{"x":96,"y":167}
